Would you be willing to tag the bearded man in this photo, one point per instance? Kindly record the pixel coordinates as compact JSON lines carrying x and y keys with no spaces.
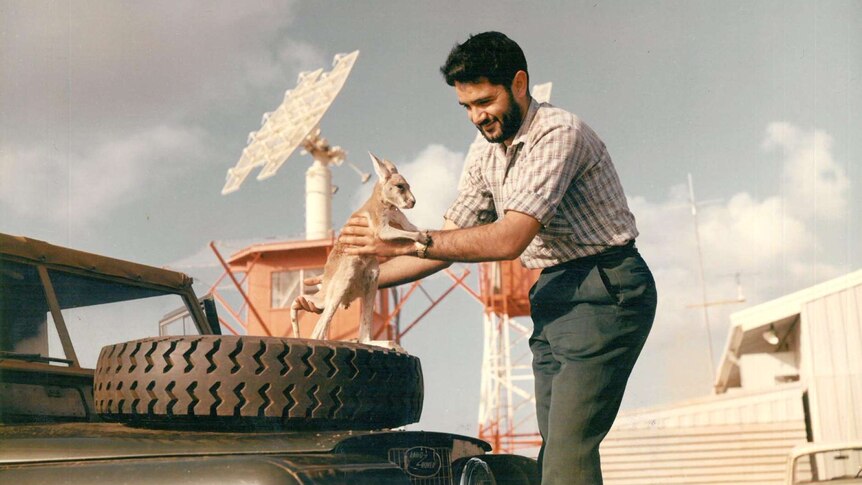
{"x":544,"y":189}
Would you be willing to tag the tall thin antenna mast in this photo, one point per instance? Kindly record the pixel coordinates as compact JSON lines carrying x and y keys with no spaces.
{"x":701,"y":275}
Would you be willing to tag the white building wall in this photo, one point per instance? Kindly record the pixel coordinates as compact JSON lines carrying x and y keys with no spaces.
{"x":831,"y":360}
{"x":714,"y":455}
{"x":732,"y":438}
{"x":778,"y":404}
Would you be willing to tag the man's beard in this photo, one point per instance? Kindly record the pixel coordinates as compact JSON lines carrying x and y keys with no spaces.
{"x":509,"y":125}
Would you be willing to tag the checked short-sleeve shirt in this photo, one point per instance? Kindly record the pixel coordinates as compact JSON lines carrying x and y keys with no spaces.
{"x":558,"y":171}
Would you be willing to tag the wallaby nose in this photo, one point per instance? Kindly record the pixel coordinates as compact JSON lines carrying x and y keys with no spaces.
{"x":411,"y":201}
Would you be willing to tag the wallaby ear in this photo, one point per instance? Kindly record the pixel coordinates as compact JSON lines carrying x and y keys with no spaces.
{"x":390,"y":166}
{"x":380,"y":167}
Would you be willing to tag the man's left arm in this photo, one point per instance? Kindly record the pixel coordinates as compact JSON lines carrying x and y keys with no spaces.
{"x":503,"y":239}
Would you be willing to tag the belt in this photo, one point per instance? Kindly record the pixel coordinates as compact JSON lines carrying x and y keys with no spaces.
{"x":609,"y":255}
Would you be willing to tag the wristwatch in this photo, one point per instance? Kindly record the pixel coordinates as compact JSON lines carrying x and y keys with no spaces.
{"x":422,"y":246}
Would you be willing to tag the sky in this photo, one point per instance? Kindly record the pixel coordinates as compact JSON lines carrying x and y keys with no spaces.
{"x":119,"y":120}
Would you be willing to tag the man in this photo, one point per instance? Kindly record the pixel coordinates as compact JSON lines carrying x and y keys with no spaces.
{"x":545,"y":189}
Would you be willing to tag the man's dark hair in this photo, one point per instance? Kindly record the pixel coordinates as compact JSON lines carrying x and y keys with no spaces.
{"x":491,"y":55}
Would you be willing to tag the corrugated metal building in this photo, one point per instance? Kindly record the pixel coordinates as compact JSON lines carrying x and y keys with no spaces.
{"x":791,"y":372}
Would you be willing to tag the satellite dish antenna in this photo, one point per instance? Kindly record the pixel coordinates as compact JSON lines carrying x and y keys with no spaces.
{"x":541,"y":93}
{"x":296,"y":123}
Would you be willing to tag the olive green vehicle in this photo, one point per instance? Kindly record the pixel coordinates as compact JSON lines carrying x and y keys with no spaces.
{"x":89,"y":395}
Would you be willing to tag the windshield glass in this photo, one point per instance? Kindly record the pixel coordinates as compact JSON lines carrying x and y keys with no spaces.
{"x":829,"y":466}
{"x":97,"y":312}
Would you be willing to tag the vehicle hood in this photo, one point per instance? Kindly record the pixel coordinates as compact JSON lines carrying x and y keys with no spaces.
{"x":98,"y":441}
{"x":107,"y":454}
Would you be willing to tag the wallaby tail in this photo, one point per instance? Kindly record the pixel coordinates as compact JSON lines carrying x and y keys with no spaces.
{"x":294,"y":309}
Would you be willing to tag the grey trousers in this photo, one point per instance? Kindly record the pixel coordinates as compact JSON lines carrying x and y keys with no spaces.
{"x":591,"y":318}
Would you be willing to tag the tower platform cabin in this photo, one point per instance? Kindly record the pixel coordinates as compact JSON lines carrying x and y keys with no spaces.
{"x":274,"y":274}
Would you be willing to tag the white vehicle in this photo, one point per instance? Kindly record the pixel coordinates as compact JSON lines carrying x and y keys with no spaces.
{"x":834,"y":463}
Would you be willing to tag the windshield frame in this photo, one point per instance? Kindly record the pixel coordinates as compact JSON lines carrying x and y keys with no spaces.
{"x":47,"y":259}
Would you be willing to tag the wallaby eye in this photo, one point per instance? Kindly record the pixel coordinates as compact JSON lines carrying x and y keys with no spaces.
{"x":400,"y":187}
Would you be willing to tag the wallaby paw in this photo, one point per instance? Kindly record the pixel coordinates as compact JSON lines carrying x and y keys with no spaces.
{"x":387,"y":344}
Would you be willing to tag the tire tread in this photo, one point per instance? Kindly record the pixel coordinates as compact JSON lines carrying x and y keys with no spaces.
{"x":257,"y":381}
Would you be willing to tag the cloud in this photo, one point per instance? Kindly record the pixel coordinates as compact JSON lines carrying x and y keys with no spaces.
{"x":433,"y":177}
{"x":814,"y":185}
{"x":758,"y":236}
{"x":126,"y":61}
{"x":102,"y":99}
{"x":769,"y":243}
{"x":47,"y":183}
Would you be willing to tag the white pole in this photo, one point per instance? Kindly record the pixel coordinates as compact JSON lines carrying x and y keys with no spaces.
{"x":318,"y":201}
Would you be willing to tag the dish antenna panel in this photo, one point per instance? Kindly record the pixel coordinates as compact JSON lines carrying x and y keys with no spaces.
{"x":541,"y":93}
{"x":296,"y":122}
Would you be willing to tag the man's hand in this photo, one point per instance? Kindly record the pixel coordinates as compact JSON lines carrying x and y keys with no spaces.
{"x":301,"y":303}
{"x":360,"y":239}
{"x":312,"y":280}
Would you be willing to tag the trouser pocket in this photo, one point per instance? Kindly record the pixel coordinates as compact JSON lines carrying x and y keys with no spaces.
{"x":629,"y":281}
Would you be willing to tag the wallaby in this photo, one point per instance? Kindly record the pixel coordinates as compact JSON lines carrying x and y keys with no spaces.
{"x":347,"y":277}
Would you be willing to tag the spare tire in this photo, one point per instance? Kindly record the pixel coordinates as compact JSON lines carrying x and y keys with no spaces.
{"x":257,"y":382}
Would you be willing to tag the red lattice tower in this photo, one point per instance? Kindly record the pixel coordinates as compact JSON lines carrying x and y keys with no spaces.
{"x":507,"y":415}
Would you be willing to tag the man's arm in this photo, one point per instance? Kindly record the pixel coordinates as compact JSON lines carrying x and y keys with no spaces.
{"x":408,"y":268}
{"x":502,"y":240}
{"x":405,"y":269}
{"x":393,"y":272}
